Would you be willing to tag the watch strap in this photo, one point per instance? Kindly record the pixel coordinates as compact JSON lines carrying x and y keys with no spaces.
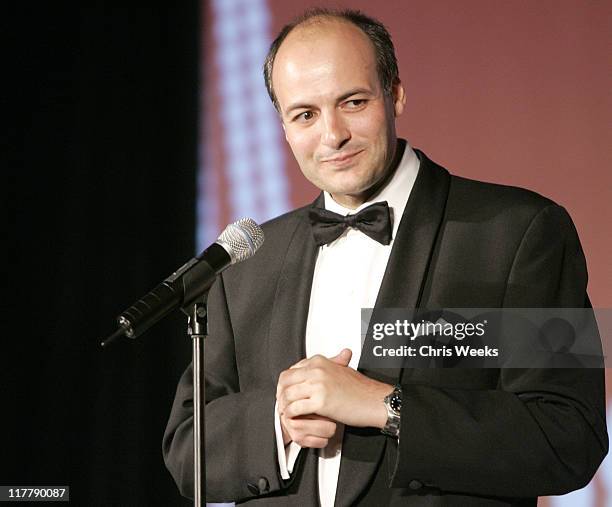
{"x":392,"y":402}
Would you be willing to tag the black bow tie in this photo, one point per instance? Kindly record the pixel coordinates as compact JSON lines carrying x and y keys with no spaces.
{"x":375,"y":221}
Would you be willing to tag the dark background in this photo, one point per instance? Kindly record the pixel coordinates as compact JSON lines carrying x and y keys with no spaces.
{"x":102,"y":151}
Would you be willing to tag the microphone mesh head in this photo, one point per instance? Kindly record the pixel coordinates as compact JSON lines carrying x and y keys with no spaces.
{"x":241,"y":239}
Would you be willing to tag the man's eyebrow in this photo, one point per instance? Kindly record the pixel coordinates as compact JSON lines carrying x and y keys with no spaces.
{"x":298,"y":105}
{"x":354,"y":91}
{"x":344,"y":96}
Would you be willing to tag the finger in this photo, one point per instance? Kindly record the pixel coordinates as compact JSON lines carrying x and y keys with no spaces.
{"x":315,"y":417}
{"x":301,"y":407}
{"x":308,"y":360}
{"x":293,"y":393}
{"x":299,"y":364}
{"x":316,"y":360}
{"x":288,"y":378}
{"x":313,"y":427}
{"x":309,"y":430}
{"x":314,"y":442}
{"x":312,"y":417}
{"x":343,"y":357}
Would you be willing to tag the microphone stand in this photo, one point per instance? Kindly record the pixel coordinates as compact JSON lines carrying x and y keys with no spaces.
{"x":197,"y":329}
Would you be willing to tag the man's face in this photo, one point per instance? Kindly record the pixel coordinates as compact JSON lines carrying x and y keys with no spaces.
{"x":337,"y":119}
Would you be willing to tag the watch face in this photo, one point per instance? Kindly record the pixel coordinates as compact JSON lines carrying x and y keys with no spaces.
{"x":395,"y":402}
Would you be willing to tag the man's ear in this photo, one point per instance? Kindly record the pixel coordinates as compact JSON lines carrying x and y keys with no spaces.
{"x":399,"y":97}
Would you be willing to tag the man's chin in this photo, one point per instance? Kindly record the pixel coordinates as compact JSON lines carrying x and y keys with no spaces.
{"x":355,"y":196}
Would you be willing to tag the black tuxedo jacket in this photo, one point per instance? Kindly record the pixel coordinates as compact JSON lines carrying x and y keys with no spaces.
{"x":468,"y":437}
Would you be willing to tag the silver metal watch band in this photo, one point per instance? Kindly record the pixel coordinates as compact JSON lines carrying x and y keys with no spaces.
{"x":392,"y":425}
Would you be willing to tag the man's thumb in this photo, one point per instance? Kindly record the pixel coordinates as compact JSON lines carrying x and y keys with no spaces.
{"x":343,"y":357}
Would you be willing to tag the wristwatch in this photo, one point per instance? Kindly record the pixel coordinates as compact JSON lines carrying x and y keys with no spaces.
{"x":393,"y":404}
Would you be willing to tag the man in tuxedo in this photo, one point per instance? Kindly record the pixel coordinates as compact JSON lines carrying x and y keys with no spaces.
{"x":293,"y":417}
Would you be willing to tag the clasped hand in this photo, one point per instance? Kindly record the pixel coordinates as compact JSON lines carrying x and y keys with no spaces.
{"x":317,"y":393}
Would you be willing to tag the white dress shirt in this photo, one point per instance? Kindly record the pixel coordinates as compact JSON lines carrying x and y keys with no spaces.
{"x":347,"y":277}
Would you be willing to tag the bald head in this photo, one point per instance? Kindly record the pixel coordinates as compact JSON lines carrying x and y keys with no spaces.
{"x":317,"y":21}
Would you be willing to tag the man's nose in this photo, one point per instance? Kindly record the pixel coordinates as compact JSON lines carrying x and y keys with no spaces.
{"x":335,"y":130}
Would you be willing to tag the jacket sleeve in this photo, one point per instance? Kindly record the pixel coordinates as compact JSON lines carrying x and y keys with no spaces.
{"x":241,"y":458}
{"x":540,"y":431}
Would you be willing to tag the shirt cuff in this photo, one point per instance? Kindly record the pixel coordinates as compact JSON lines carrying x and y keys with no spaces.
{"x":287,"y":456}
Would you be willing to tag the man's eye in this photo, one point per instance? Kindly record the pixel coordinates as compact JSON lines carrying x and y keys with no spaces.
{"x":305,"y":116}
{"x":355,"y":103}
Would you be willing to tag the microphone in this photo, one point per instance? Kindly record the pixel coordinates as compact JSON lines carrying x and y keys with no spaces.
{"x":237,"y":242}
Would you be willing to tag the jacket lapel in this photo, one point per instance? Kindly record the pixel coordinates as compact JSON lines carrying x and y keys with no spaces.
{"x":292,"y":298}
{"x":287,"y":332}
{"x":412,"y":250}
{"x":401,"y":288}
